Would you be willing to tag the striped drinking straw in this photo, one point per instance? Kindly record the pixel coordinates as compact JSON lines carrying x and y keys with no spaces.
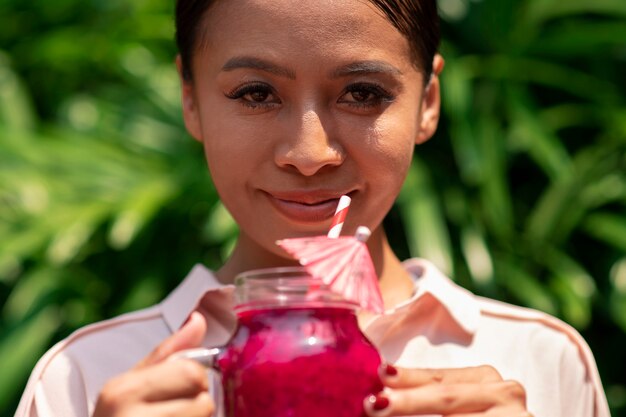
{"x":339,"y":217}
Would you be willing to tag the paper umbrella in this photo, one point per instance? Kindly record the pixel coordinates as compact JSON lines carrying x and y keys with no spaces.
{"x":344,"y":264}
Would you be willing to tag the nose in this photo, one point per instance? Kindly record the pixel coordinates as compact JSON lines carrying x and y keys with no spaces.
{"x":308,"y":145}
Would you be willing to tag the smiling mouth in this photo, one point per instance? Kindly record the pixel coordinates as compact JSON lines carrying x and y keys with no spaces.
{"x":305,"y":207}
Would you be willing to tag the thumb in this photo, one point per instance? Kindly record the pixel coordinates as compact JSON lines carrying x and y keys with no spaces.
{"x":190,"y":335}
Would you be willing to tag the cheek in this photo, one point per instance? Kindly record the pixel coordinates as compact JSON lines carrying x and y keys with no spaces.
{"x":383,"y":158}
{"x":390,"y":151}
{"x":229,"y":144}
{"x":226,"y":166}
{"x":389,"y":146}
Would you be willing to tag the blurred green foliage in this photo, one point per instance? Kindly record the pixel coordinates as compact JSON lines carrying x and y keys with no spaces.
{"x":105,"y":202}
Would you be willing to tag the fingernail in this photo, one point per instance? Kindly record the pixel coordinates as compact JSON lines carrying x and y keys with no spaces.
{"x":378,"y":402}
{"x":390,"y":370}
{"x":192,"y":316}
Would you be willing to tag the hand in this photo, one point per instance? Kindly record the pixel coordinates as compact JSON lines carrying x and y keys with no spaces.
{"x":462,"y":392}
{"x":157,"y":387}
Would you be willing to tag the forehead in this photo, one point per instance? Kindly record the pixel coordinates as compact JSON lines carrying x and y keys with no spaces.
{"x":319,"y":28}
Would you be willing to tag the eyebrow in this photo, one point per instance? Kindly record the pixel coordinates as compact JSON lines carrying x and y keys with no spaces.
{"x":365,"y":67}
{"x":258,"y":64}
{"x":354,"y":68}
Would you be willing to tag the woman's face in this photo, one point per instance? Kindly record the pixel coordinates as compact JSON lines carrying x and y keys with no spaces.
{"x":297,"y":103}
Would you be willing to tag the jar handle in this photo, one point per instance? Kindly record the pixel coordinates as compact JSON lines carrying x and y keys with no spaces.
{"x":206,"y":357}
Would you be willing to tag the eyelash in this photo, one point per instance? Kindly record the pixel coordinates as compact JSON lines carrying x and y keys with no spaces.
{"x":380,"y":95}
{"x":240,"y":92}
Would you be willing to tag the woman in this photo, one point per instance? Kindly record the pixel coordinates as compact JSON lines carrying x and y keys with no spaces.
{"x":297,"y":103}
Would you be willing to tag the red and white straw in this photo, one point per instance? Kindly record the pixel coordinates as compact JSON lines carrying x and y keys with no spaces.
{"x":339,"y":217}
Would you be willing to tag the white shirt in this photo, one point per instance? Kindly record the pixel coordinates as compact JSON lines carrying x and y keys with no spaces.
{"x":441,"y":326}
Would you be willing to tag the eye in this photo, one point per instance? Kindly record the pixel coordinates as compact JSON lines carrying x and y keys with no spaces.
{"x":254,"y":95}
{"x":366,"y":95}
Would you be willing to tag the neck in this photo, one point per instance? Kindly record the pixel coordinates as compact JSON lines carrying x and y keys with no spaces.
{"x":248,"y":255}
{"x":395,"y":283}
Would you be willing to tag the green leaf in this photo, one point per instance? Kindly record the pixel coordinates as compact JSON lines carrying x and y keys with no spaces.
{"x":146,"y":292}
{"x":477,"y":257}
{"x":20,"y":347}
{"x":531,"y":136}
{"x":569,"y":114}
{"x":79,"y":223}
{"x":617,"y":300}
{"x":572,"y":283}
{"x":566,"y":201}
{"x":220,"y":226}
{"x":16,"y":110}
{"x":575,"y":309}
{"x":23,"y":242}
{"x":617,"y":304}
{"x":607,"y":227}
{"x":31,"y":289}
{"x":495,"y":194}
{"x":138,"y":209}
{"x":523,"y":285}
{"x":457,"y":97}
{"x":532,"y":71}
{"x":456,"y":88}
{"x":422,"y":214}
{"x":580,"y":38}
{"x":539,"y":11}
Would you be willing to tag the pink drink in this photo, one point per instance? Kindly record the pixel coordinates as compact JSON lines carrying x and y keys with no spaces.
{"x":300,"y":359}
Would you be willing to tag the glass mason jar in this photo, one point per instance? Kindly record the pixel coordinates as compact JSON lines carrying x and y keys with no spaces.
{"x":297,"y":350}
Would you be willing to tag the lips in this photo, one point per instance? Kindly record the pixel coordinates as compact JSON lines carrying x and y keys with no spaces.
{"x":305,"y":207}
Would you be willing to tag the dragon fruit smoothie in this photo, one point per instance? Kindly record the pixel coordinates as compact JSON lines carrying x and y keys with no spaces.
{"x":298,"y":362}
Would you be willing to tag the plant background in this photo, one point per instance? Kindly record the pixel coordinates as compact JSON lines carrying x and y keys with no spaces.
{"x":105,"y":202}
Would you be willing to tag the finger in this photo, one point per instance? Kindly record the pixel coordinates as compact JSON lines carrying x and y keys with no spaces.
{"x":449,"y":399}
{"x":430,"y":399}
{"x":200,"y":406}
{"x":396,"y":377}
{"x":169,"y":380}
{"x":190,"y":335}
{"x":504,"y":412}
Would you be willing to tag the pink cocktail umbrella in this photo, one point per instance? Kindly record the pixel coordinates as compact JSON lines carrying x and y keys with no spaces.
{"x":343,"y":263}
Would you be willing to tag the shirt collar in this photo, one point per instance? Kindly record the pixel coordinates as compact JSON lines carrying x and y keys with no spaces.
{"x":460,"y":303}
{"x":181,"y":302}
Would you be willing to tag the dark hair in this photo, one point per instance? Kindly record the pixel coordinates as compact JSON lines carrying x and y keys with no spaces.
{"x":415,"y":19}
